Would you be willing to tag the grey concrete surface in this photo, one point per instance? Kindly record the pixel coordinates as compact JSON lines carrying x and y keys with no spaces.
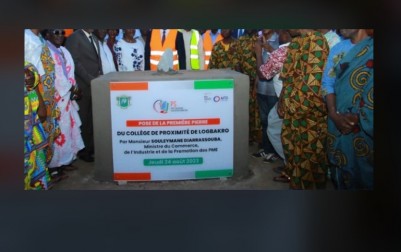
{"x":102,"y":115}
{"x":260,"y":177}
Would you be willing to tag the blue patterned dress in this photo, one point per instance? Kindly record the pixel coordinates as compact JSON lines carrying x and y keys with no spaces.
{"x":351,"y":155}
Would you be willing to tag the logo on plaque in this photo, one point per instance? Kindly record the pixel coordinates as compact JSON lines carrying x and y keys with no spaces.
{"x":123,"y":101}
{"x":161,"y":106}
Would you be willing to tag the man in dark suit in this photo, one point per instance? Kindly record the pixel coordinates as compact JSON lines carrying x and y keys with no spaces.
{"x":84,"y":48}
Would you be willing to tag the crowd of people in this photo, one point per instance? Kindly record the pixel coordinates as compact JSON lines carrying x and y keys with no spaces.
{"x":310,"y":101}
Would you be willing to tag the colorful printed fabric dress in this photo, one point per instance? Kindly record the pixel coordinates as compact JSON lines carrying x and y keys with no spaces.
{"x":304,"y":127}
{"x":69,"y":142}
{"x":352,"y":154}
{"x":223,"y":55}
{"x":35,"y":168}
{"x":246,"y":58}
{"x":48,"y":92}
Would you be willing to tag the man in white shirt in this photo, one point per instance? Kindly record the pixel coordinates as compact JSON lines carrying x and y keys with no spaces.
{"x":271,"y":70}
{"x":106,"y":55}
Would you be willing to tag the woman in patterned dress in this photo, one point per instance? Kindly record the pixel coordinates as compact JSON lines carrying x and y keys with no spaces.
{"x":224,"y":52}
{"x":130,"y":52}
{"x":36,"y":175}
{"x":301,"y":103}
{"x":350,"y":144}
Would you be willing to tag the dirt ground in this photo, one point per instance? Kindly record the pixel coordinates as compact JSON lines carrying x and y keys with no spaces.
{"x":260,"y":178}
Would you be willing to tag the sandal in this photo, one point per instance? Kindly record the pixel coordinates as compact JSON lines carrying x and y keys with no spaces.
{"x":62,"y":175}
{"x":284,"y":178}
{"x":69,"y":167}
{"x":55,"y":178}
{"x":58,"y":176}
{"x":278,"y":169}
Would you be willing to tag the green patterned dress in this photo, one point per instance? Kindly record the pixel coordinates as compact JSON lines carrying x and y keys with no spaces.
{"x":304,"y":129}
{"x":246,"y":59}
{"x":223,"y":58}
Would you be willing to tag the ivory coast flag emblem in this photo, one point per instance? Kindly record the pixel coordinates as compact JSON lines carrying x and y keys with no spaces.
{"x":123,"y":101}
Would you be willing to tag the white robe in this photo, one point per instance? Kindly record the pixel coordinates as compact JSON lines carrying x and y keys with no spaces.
{"x":107,"y":58}
{"x":69,"y":142}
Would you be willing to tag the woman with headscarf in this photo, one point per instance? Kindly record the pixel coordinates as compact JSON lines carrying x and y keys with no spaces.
{"x":36,"y":175}
{"x":38,"y":53}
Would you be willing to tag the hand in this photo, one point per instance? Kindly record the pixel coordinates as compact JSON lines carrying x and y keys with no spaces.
{"x":262,"y":39}
{"x":352,"y":118}
{"x":76,"y":93}
{"x":42,"y":112}
{"x":344,"y":122}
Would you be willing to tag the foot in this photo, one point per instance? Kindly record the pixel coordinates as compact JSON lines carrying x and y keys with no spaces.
{"x":87,"y":158}
{"x":54,"y":179}
{"x":62,"y":175}
{"x":278,"y":169}
{"x":270,"y":158}
{"x":69,"y":167}
{"x":284,"y":178}
{"x":56,"y":176}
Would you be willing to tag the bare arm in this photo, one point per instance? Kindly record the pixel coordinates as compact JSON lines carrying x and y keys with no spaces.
{"x":42,"y":107}
{"x":259,"y":60}
{"x":343,"y":122}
